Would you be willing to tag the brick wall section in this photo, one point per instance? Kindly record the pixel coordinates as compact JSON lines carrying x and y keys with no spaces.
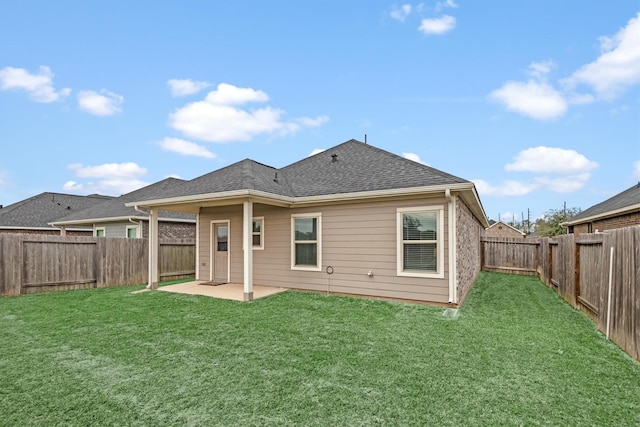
{"x":612,"y":223}
{"x":171,"y":230}
{"x":502,"y":231}
{"x":468,"y":234}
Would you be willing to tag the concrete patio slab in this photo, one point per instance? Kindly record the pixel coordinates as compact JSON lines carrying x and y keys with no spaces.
{"x":232,"y":291}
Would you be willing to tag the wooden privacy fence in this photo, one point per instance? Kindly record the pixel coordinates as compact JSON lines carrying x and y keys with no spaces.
{"x":596,"y":273}
{"x":39,"y":263}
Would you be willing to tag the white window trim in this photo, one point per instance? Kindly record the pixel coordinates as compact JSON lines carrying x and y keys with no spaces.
{"x":129,"y":227}
{"x":439,"y":274}
{"x":261,"y":247}
{"x":261,"y":219}
{"x":318,"y":242}
{"x":95,"y":231}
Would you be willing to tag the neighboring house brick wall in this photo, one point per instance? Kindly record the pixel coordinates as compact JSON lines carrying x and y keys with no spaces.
{"x":612,"y":223}
{"x":468,"y":234}
{"x":171,"y":230}
{"x":500,"y":230}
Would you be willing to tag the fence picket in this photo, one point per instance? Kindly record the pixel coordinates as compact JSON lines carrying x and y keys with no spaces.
{"x":39,"y":263}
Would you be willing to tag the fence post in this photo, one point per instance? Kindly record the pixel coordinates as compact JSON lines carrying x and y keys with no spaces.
{"x":100,"y":253}
{"x":576,"y":272}
{"x":550,"y":263}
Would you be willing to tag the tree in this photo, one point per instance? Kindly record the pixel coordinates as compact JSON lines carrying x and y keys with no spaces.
{"x":549,"y":224}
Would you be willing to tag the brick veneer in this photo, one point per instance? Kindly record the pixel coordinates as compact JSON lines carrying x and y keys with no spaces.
{"x":621,"y":221}
{"x":171,"y":230}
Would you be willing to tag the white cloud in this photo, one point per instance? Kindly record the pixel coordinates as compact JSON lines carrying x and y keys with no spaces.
{"x":186,"y":148}
{"x":618,"y":66}
{"x":445,"y":4}
{"x":539,"y":70}
{"x":219,"y":118}
{"x":109,"y":179}
{"x":401,"y":12}
{"x":414,"y":157}
{"x":316,"y":151}
{"x":534,"y":99}
{"x":105,"y":103}
{"x":108,"y":187}
{"x":563,"y":184}
{"x":39,"y":85}
{"x":108,"y":170}
{"x":227,"y":94}
{"x":184,"y":87}
{"x":636,"y":169}
{"x":437,"y":25}
{"x":507,"y":188}
{"x":558,"y":170}
{"x":307,"y":121}
{"x":551,"y":160}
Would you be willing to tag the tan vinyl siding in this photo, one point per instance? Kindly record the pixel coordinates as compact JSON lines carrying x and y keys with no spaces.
{"x":356,"y":238}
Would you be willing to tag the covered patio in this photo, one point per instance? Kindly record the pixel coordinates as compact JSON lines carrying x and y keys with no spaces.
{"x":230,"y":291}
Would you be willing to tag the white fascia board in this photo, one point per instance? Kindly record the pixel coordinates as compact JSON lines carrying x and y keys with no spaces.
{"x":382,"y":193}
{"x":616,"y":212}
{"x":204,"y":198}
{"x":306,"y":200}
{"x":96,"y":220}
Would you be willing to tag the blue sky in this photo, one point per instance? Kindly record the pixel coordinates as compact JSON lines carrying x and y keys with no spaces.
{"x":537,"y":102}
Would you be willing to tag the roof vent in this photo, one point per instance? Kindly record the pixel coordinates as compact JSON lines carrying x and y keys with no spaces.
{"x":334,"y":158}
{"x":275,"y":179}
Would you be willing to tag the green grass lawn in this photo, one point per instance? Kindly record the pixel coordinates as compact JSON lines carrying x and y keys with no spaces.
{"x":515,"y":355}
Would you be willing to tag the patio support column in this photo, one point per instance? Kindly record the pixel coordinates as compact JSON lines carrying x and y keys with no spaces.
{"x":247,"y":245}
{"x":153,"y":249}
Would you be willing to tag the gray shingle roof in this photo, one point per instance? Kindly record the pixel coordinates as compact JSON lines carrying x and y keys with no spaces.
{"x":356,"y":167}
{"x":115,"y":208}
{"x":360,"y":167}
{"x":629,"y":197}
{"x":38,"y":211}
{"x":245,"y":174}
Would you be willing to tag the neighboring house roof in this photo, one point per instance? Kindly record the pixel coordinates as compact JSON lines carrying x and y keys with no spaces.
{"x":350,"y":168}
{"x":504,"y":224}
{"x":115,"y":209}
{"x":37,"y":212}
{"x":622,"y":203}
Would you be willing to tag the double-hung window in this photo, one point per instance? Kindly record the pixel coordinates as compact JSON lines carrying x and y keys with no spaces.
{"x":420,"y":242}
{"x":257,"y":233}
{"x":306,"y":242}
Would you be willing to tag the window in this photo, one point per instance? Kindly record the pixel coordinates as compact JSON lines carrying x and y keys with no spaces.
{"x":99,"y":232}
{"x":222,"y":238}
{"x":306,"y":242}
{"x":420,"y":248}
{"x":258,"y":233}
{"x":132,"y":231}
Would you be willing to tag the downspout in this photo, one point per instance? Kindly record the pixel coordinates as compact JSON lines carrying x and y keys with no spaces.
{"x":451,"y":226}
{"x":137,"y":223}
{"x":151,"y":251}
{"x":137,"y":209}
